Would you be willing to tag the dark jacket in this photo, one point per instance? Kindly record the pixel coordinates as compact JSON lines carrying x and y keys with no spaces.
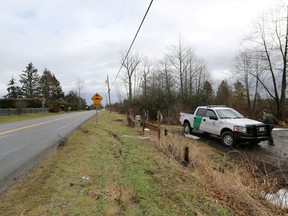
{"x":269,"y":119}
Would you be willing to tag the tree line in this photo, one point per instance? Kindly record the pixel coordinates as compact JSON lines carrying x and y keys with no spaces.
{"x":181,"y":80}
{"x":46,"y":87}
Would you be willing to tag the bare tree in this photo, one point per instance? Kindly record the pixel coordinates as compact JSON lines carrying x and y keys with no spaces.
{"x":130,"y":64}
{"x":271,"y":38}
{"x":144,"y":80}
{"x":247,"y":69}
{"x":198,"y":74}
{"x":160,"y":94}
{"x":79,"y":83}
{"x":169,"y":82}
{"x":189,"y":70}
{"x":178,"y":59}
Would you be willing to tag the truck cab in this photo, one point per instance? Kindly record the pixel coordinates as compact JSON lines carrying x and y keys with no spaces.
{"x":206,"y":120}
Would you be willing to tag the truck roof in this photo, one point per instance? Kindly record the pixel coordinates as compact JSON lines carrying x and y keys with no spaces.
{"x":214,"y":106}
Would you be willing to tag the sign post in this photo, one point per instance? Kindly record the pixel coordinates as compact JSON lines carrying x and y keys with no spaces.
{"x":96,"y":98}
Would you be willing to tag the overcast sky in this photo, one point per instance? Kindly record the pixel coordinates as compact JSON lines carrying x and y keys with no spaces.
{"x":83,"y":39}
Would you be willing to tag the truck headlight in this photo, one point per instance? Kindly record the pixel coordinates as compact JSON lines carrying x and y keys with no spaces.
{"x":240,"y":129}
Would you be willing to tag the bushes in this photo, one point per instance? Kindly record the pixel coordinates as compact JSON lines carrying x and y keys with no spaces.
{"x":20,"y":102}
{"x":20,"y":105}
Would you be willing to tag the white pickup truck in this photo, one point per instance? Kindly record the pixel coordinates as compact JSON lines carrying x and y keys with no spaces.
{"x":226,"y":123}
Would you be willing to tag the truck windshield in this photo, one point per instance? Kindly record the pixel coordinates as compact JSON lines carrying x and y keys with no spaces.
{"x":228,"y":113}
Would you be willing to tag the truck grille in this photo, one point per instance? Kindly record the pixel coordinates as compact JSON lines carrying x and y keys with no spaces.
{"x":258,"y":130}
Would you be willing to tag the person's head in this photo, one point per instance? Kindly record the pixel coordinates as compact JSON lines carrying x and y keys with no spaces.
{"x":265,"y":111}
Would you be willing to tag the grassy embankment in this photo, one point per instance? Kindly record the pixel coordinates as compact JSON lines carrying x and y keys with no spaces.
{"x":107,"y":169}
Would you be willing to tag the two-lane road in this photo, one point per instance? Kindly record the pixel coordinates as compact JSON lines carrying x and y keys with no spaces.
{"x":22,"y":143}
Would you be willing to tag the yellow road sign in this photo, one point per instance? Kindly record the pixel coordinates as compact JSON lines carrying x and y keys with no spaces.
{"x":97,"y":99}
{"x":97,"y":104}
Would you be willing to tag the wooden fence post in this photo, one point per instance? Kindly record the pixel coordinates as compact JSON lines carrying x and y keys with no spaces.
{"x":186,"y":156}
{"x":143,"y":121}
{"x":159,"y":124}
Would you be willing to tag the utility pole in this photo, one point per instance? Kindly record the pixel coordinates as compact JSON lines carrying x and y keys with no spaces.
{"x":79,"y":83}
{"x":109,"y":94}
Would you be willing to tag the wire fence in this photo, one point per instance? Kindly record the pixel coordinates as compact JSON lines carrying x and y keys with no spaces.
{"x":9,"y":112}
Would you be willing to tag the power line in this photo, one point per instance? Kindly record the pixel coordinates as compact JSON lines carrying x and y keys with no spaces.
{"x":132,"y":42}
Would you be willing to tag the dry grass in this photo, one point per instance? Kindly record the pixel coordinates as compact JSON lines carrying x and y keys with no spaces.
{"x":233,"y":183}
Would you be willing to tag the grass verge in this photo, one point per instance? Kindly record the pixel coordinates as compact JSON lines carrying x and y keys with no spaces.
{"x":13,"y":118}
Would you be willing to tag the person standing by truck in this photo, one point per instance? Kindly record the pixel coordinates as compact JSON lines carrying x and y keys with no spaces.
{"x":269,"y":119}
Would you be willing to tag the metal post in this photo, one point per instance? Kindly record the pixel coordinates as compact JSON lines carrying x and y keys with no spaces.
{"x":96,"y":115}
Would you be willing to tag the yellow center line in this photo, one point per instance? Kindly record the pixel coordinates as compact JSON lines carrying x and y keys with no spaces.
{"x":30,"y":126}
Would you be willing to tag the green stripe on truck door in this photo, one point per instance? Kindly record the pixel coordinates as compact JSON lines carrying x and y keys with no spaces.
{"x":197,"y":122}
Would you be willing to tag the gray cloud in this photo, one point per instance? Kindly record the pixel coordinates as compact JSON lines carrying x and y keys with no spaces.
{"x":84,"y":38}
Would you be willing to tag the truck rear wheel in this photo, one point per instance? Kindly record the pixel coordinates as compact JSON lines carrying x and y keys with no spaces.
{"x":228,"y":139}
{"x":187,"y":128}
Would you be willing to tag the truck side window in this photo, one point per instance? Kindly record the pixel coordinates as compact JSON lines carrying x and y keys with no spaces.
{"x":201,"y":112}
{"x":210,"y":113}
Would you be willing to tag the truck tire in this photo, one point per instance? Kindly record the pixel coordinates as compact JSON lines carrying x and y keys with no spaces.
{"x":228,"y":139}
{"x":187,"y":128}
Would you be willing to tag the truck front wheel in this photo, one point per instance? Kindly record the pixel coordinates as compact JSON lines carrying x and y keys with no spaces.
{"x":228,"y":139}
{"x":187,"y":128}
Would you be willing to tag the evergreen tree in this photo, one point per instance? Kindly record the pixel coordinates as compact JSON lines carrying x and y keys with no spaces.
{"x":57,"y":91}
{"x":13,"y":89}
{"x":239,"y":92}
{"x":238,"y":98}
{"x":44,"y":83}
{"x":72,"y":97}
{"x":207,"y":93}
{"x":50,"y":87}
{"x":223,"y":93}
{"x":30,"y":81}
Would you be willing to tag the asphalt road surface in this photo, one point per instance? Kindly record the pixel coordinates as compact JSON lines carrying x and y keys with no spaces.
{"x":278,"y":152}
{"x":23,"y":143}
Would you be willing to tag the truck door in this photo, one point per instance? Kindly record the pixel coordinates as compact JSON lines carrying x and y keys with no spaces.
{"x":209,"y":122}
{"x":200,"y":113}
